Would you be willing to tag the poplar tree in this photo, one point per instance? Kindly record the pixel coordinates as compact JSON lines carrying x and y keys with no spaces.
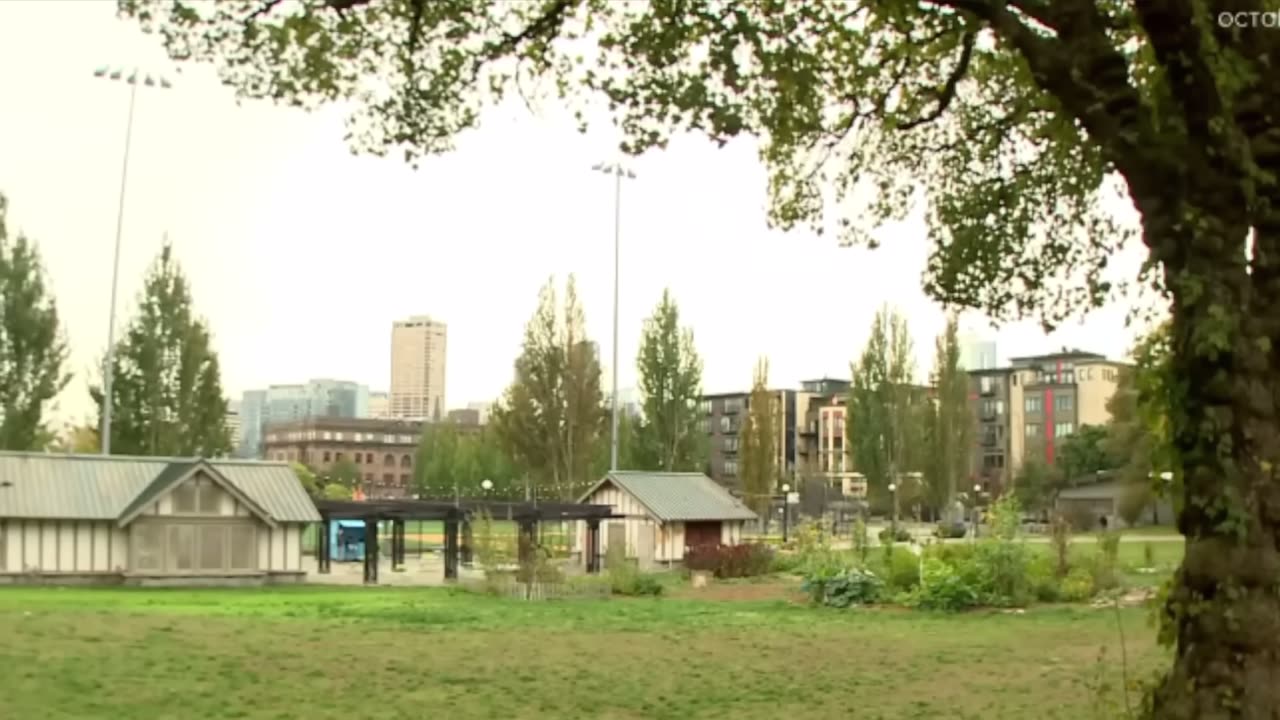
{"x":669,"y":437}
{"x":758,"y":448}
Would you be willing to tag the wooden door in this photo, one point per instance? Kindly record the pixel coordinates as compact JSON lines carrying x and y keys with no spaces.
{"x":698,"y":534}
{"x":617,"y":538}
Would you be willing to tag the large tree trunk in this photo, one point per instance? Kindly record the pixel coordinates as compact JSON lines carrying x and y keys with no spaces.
{"x":1223,"y":611}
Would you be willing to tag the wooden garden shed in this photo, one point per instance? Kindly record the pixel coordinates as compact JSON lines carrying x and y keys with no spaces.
{"x":151,"y":521}
{"x":659,"y":515}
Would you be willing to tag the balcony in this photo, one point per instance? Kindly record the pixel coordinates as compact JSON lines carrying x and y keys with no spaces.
{"x":987,"y":390}
{"x":990,"y":441}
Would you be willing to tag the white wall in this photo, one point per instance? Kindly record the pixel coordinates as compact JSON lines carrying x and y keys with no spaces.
{"x":623,"y":504}
{"x":62,"y":546}
{"x":280,"y":548}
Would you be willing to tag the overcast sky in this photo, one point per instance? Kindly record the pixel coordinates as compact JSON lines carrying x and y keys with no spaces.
{"x":301,"y":255}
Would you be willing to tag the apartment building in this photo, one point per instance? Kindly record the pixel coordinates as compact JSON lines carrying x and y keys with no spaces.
{"x":824,"y":450}
{"x":1028,"y":408}
{"x":418,"y":348}
{"x":723,"y":416}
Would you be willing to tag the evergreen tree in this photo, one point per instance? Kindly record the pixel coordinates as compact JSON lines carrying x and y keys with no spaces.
{"x":33,"y":351}
{"x":669,"y":437}
{"x":167,"y":386}
{"x":758,"y":448}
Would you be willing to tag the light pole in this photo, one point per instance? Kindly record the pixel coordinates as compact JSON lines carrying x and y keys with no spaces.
{"x":893,"y":528}
{"x":618,"y":172}
{"x":133,"y":79}
{"x":977,"y":497}
{"x":786,"y":511}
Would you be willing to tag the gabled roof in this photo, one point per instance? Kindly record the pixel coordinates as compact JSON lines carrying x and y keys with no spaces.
{"x":96,"y":487}
{"x":677,"y":496}
{"x":173,"y":475}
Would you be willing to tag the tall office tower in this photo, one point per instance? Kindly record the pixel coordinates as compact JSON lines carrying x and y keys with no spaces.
{"x":417,"y":368}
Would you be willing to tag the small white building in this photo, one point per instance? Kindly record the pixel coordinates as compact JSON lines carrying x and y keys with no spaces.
{"x":92,"y":519}
{"x":663,"y":514}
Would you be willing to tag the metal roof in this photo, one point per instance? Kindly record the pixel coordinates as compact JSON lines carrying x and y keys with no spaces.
{"x":678,"y":496}
{"x":97,"y":487}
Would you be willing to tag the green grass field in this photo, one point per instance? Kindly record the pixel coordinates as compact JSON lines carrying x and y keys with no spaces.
{"x":384,"y":653}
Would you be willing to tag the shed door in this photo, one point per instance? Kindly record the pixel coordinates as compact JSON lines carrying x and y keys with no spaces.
{"x":618,"y":537}
{"x":697,"y":534}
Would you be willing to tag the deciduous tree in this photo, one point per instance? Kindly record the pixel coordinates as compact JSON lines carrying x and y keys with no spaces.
{"x":758,"y":467}
{"x":1015,"y":117}
{"x":552,"y":415}
{"x":167,"y":385}
{"x":33,"y":350}
{"x":949,"y":429}
{"x":669,"y":436}
{"x":886,"y":414}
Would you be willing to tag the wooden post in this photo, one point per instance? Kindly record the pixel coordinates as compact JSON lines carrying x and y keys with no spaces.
{"x":451,"y":547}
{"x":467,"y":550}
{"x":591,"y":547}
{"x":324,"y":551}
{"x":371,"y":551}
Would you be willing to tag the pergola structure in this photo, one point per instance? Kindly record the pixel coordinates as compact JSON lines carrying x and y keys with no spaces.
{"x":456,"y":516}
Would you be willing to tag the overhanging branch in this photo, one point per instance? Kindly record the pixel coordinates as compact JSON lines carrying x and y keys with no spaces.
{"x":948,"y":93}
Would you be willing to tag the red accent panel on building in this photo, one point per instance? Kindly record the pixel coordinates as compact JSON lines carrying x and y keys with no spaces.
{"x":1049,"y":425}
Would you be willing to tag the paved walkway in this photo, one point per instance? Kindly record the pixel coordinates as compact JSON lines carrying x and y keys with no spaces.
{"x":427,"y":571}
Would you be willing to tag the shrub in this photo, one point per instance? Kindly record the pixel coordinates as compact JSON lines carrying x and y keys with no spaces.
{"x":861,"y":541}
{"x":950,"y":530}
{"x":842,"y":589}
{"x":942,"y":588}
{"x":999,"y":571}
{"x":731,"y":561}
{"x":901,"y":569}
{"x":1104,"y":564}
{"x":1060,"y":536}
{"x":1077,"y":585}
{"x":1043,"y":580}
{"x":888,"y":535}
{"x":625,"y":578}
{"x":786,"y":562}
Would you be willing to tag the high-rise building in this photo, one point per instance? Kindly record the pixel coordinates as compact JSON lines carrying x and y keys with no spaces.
{"x":320,"y":398}
{"x":379,"y":405}
{"x":418,"y":347}
{"x":232,"y":423}
{"x":977,"y":350}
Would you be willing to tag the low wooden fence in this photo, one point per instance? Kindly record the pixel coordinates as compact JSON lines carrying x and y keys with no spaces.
{"x":554,"y":591}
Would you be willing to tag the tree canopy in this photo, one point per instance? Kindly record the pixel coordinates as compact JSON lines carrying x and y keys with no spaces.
{"x":33,"y":350}
{"x":1009,"y":121}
